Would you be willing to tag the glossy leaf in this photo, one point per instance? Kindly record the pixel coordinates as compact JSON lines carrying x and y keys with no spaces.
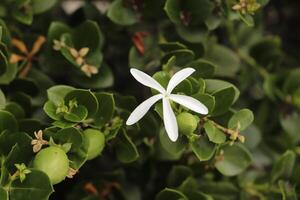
{"x":36,"y":184}
{"x":126,"y":150}
{"x":7,"y":121}
{"x":234,"y":160}
{"x":121,"y":15}
{"x":283,"y":166}
{"x":203,"y":149}
{"x":106,"y":108}
{"x":214,"y":134}
{"x":241,"y":120}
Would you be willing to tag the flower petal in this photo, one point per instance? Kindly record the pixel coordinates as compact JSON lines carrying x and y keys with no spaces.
{"x":178,"y":78}
{"x":190,"y":102}
{"x":142,"y":109}
{"x":170,"y":120}
{"x":146,"y":80}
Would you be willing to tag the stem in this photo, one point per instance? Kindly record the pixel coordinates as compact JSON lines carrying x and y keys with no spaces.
{"x":234,"y":134}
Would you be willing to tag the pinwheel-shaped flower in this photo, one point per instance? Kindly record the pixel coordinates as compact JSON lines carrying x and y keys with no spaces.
{"x":166,"y":96}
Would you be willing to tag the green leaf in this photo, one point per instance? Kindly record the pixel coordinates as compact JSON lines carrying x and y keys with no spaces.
{"x":40,"y":6}
{"x":190,"y":188}
{"x":235,"y":159}
{"x":36,"y":184}
{"x":25,"y":85}
{"x":207,"y":100}
{"x":23,"y":100}
{"x":103,"y":79}
{"x":18,"y":154}
{"x":241,"y":120}
{"x":7,"y":121}
{"x":223,"y":100}
{"x":253,"y":137}
{"x":227,"y":64}
{"x":6,"y":37}
{"x":57,"y":93}
{"x":292,"y":81}
{"x":197,"y":195}
{"x":3,"y":64}
{"x":30,"y":125}
{"x":185,"y":87}
{"x":291,"y":125}
{"x":23,"y":12}
{"x":125,"y":149}
{"x":248,"y":19}
{"x":168,"y":194}
{"x":175,"y":148}
{"x":267,"y":52}
{"x":183,"y":56}
{"x":162,"y":78}
{"x":214,"y":85}
{"x":171,"y":46}
{"x":17,"y":147}
{"x":3,"y":194}
{"x":68,"y":135}
{"x":193,"y":34}
{"x":149,"y":59}
{"x":120,"y":14}
{"x":213,"y":22}
{"x":88,"y":34}
{"x":114,"y":128}
{"x":172,"y":9}
{"x":50,"y":109}
{"x":214,"y":134}
{"x":85,"y":98}
{"x":15,"y":109}
{"x":197,"y":85}
{"x":203,"y":149}
{"x":204,"y":68}
{"x":2,"y":100}
{"x":65,"y":51}
{"x":222,"y":190}
{"x":77,"y":114}
{"x":177,"y":175}
{"x":63,"y":124}
{"x":78,"y":155}
{"x":9,"y":75}
{"x":284,"y":166}
{"x":198,"y":10}
{"x":106,"y":108}
{"x":287,"y":191}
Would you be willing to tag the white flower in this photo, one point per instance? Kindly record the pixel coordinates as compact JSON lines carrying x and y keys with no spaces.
{"x":168,"y":114}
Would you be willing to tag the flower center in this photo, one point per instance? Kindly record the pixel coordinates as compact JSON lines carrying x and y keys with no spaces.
{"x":166,"y":95}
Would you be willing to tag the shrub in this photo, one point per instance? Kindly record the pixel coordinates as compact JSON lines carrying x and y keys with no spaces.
{"x":77,"y":120}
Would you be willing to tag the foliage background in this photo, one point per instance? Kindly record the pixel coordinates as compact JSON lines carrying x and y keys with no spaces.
{"x":262,"y":61}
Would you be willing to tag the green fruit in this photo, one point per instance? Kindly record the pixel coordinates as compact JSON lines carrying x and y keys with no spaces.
{"x":187,"y":123}
{"x":96,"y":142}
{"x":54,"y":162}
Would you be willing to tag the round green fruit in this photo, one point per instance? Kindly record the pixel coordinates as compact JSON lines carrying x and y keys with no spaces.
{"x":96,"y":142}
{"x":54,"y":162}
{"x":187,"y":123}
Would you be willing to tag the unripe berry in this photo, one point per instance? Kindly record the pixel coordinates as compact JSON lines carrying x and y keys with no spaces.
{"x":54,"y":162}
{"x":187,"y":123}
